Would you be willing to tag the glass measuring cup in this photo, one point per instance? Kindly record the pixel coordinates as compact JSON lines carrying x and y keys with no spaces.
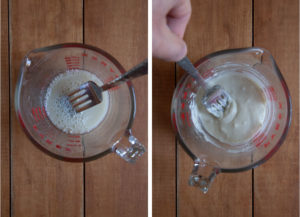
{"x":113,"y":134}
{"x":209,"y":154}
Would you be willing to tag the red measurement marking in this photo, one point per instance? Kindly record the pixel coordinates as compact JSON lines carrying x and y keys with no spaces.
{"x":67,"y":149}
{"x":34,"y":127}
{"x":74,"y":141}
{"x":188,"y":120}
{"x":277,"y":126}
{"x":279,"y":116}
{"x":44,"y":112}
{"x":35,"y":113}
{"x":258,"y":144}
{"x":73,"y":144}
{"x":273,"y":135}
{"x":280,"y":105}
{"x":49,"y":141}
{"x":58,"y":146}
{"x":73,"y":62}
{"x":272,"y":93}
{"x":41,"y":114}
{"x":73,"y":136}
{"x":259,"y":139}
{"x":184,"y":95}
{"x":182,"y":117}
{"x":103,"y":63}
{"x":266,"y":144}
{"x":111,"y":70}
{"x":84,"y":54}
{"x":38,"y":113}
{"x":94,"y":58}
{"x":41,"y":135}
{"x":208,"y":73}
{"x":182,"y":105}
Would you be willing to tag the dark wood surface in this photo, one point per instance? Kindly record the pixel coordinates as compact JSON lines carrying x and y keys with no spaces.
{"x":272,"y":189}
{"x":5,"y":124}
{"x":164,"y":145}
{"x":32,"y":182}
{"x":276,"y":183}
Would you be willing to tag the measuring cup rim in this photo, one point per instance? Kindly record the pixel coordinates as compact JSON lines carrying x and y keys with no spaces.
{"x":284,"y":133}
{"x":230,"y":51}
{"x":71,"y":45}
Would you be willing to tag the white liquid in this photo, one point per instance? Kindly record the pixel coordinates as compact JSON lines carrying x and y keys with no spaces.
{"x":59,"y":109}
{"x":245,"y":115}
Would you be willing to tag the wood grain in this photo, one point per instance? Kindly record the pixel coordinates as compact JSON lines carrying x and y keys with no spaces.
{"x":5,"y":125}
{"x":114,"y":187}
{"x":276,"y":183}
{"x":216,"y":25}
{"x":42,"y":185}
{"x":164,"y":146}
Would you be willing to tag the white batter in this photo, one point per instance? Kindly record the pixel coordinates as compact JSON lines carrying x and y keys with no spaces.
{"x":245,"y":115}
{"x":59,"y":109}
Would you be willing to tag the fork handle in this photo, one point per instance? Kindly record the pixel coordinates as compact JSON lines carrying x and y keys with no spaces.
{"x":188,"y":66}
{"x":137,"y":71}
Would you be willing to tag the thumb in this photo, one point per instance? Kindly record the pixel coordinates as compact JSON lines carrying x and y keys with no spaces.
{"x":168,"y":46}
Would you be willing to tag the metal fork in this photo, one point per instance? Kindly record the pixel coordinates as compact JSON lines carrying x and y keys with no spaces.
{"x":215,"y":98}
{"x":90,"y":94}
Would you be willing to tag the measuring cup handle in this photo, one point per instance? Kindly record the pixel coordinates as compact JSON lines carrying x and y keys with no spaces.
{"x":130,"y":149}
{"x":203,"y":174}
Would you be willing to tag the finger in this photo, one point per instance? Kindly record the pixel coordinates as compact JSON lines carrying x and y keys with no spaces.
{"x":167,"y":45}
{"x":178,"y":17}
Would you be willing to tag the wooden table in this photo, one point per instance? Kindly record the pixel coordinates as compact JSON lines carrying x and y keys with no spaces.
{"x":270,"y":190}
{"x":33,"y":184}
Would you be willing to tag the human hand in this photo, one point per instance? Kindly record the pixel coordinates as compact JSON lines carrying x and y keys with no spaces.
{"x":169,"y":20}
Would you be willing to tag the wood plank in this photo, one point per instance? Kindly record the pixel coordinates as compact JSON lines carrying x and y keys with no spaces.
{"x":114,"y":187}
{"x":42,"y":185}
{"x":5,"y":125}
{"x":216,"y":25}
{"x":164,"y":146}
{"x":276,"y":183}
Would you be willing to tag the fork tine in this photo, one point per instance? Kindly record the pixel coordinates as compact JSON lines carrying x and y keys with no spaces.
{"x":90,"y":104}
{"x":74,"y":92}
{"x":81,"y":87}
{"x":86,"y":96}
{"x":72,"y":100}
{"x":76,"y":104}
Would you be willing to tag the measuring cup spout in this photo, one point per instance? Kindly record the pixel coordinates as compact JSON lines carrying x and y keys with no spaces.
{"x":203,"y":174}
{"x":129,"y":148}
{"x":35,"y":58}
{"x":257,"y":58}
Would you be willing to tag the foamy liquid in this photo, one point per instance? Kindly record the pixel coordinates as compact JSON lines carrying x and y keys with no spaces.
{"x":59,"y":109}
{"x":245,"y":115}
